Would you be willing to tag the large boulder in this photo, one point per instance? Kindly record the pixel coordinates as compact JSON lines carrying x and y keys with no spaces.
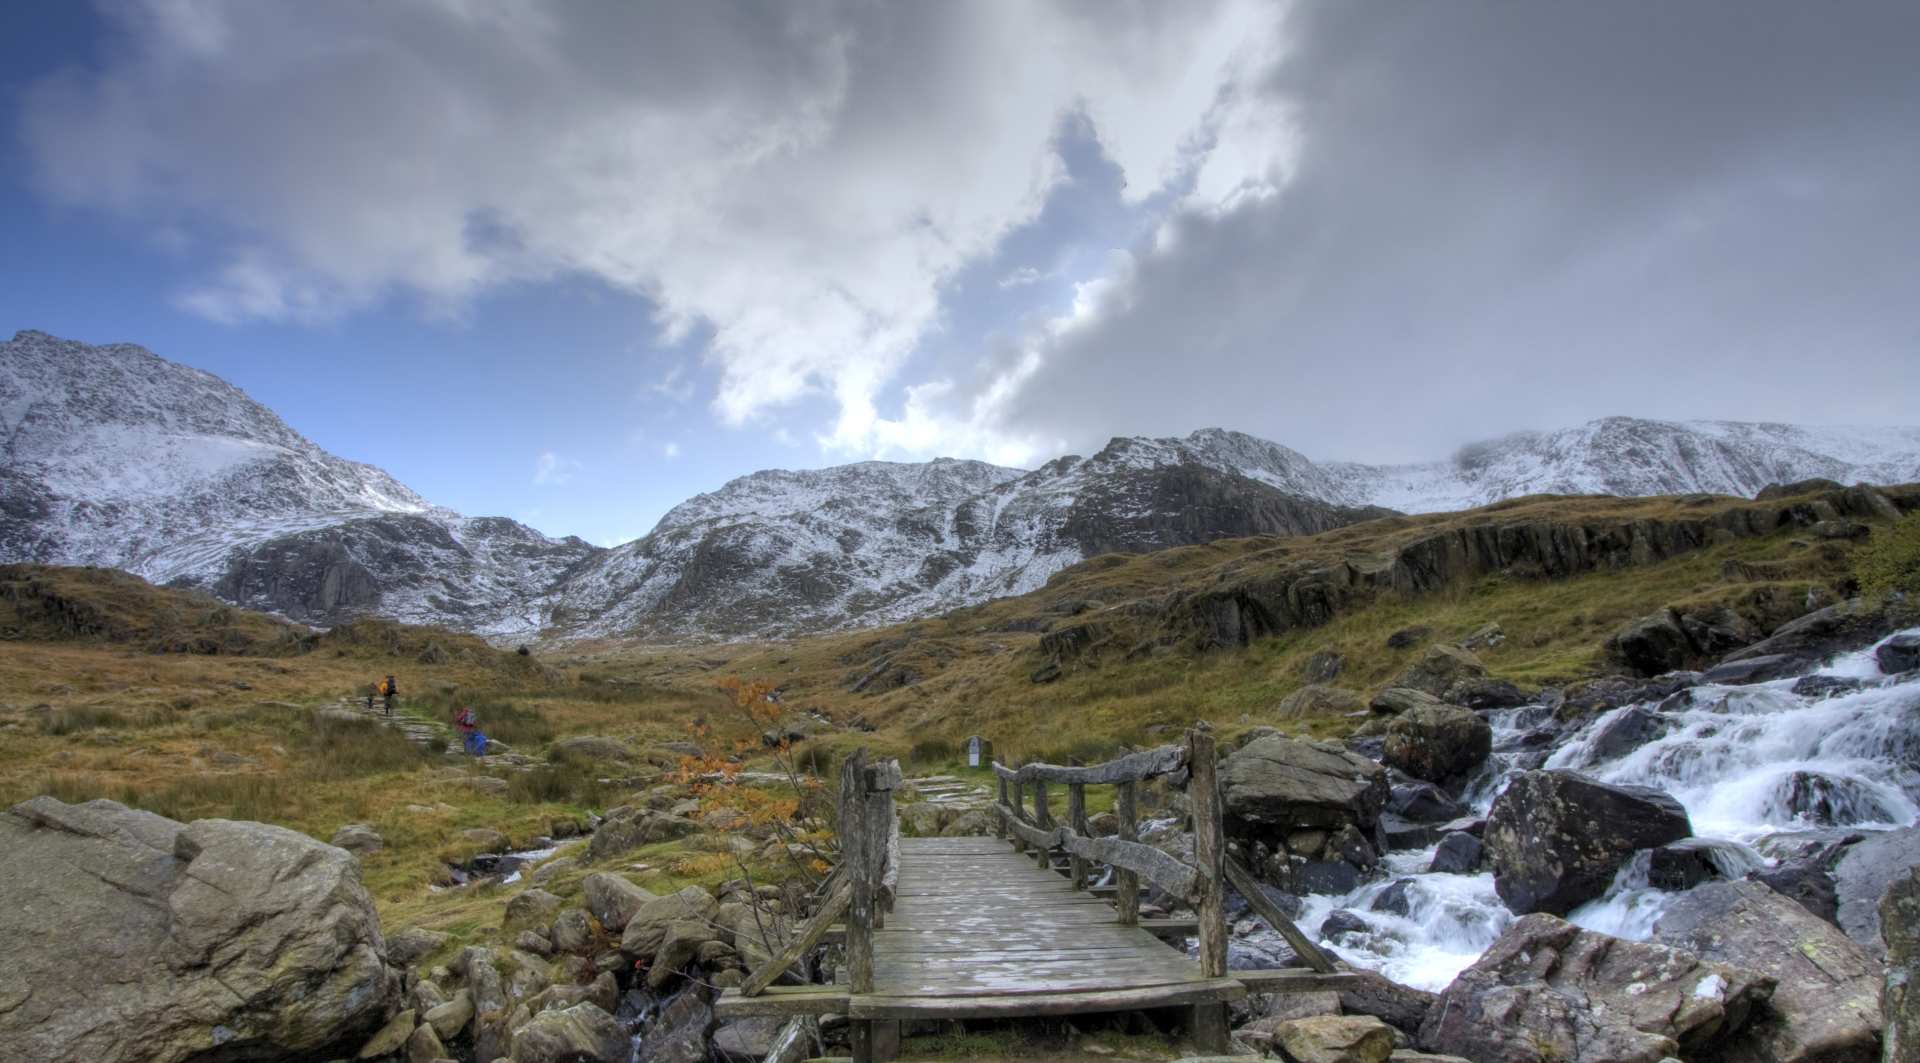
{"x":647,"y":930}
{"x":1899,"y":999}
{"x":1281,"y":782}
{"x":1899,"y":654}
{"x":1550,"y":991}
{"x":1849,"y":625}
{"x":1438,"y":743}
{"x":1826,"y":1004}
{"x":131,"y":937}
{"x":1861,"y":876}
{"x":613,"y":899}
{"x":629,"y":827}
{"x":358,"y":838}
{"x":1555,"y":838}
{"x":1335,"y":1039}
{"x":579,"y":1034}
{"x":1440,"y":668}
{"x":1652,"y":645}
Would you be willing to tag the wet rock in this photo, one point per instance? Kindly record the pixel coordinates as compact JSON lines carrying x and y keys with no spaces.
{"x":1861,"y":876}
{"x":1826,"y":1004}
{"x":1591,"y":697}
{"x":679,"y":1033}
{"x":1422,"y":802}
{"x":1342,"y":921}
{"x":579,"y":1034}
{"x":1825,"y":686}
{"x":1394,"y":899}
{"x":1548,"y":990}
{"x":249,"y":937}
{"x":1398,"y":833}
{"x":1438,"y":743}
{"x":612,"y":899}
{"x":1833,"y":801}
{"x":1335,"y":1039}
{"x":1555,"y":838}
{"x":1458,"y":853}
{"x":1849,"y":625}
{"x":1899,"y":654}
{"x":358,"y":838}
{"x":1632,"y":728}
{"x":1806,"y":882}
{"x":1283,"y":782}
{"x":1899,"y":999}
{"x":1760,"y":669}
{"x":1689,"y":862}
{"x":1402,"y":1007}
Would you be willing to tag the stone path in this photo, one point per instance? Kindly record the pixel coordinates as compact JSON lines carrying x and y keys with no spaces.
{"x":950,"y":791}
{"x":421,"y":732}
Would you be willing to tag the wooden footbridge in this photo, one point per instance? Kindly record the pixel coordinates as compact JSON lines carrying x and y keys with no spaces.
{"x":961,"y":928}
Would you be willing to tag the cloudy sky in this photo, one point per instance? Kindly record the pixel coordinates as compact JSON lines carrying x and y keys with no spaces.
{"x":574,"y":261}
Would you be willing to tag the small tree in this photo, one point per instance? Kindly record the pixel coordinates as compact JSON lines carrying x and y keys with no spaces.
{"x":1890,"y":563}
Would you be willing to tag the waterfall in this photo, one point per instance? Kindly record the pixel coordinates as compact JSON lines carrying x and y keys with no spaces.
{"x":1749,"y":763}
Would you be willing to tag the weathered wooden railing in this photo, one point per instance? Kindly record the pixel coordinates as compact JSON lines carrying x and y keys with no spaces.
{"x":861,"y":886}
{"x":1200,"y":884}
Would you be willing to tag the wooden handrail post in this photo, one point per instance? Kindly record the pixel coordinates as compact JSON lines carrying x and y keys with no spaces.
{"x":1128,"y":882}
{"x":1019,"y":811}
{"x":1077,"y":819}
{"x":1209,"y":854}
{"x":856,"y":852}
{"x":1042,"y":819}
{"x":1003,"y":800}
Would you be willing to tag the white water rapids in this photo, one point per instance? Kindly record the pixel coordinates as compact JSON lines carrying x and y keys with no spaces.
{"x":1749,"y":763}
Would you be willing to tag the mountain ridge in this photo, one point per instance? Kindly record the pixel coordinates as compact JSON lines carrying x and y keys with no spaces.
{"x":118,"y":457}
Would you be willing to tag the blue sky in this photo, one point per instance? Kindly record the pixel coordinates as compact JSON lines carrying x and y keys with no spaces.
{"x":574,"y":262}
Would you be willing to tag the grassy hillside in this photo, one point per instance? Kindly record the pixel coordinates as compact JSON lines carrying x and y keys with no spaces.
{"x":1136,"y":656}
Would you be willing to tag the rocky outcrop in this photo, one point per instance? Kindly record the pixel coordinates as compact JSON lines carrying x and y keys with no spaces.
{"x":1555,"y":838}
{"x":1442,"y":743}
{"x":220,"y":939}
{"x":1825,"y":1006}
{"x":1548,"y":991}
{"x":1849,"y":625}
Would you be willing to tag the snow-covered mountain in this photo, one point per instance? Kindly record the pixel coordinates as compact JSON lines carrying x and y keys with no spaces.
{"x":1632,"y":456}
{"x":114,"y":456}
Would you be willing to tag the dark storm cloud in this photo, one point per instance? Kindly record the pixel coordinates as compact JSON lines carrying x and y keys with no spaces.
{"x":1509,"y":215}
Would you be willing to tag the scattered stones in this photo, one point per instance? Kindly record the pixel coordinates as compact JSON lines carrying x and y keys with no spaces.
{"x":1555,"y":838}
{"x":1826,"y":1005}
{"x":256,"y":931}
{"x":1548,"y":990}
{"x":1438,"y":743}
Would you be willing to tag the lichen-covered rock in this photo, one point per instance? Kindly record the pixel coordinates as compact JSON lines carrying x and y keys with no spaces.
{"x":1440,"y":668}
{"x":612,"y":899}
{"x":534,"y":907}
{"x":1320,"y":699}
{"x":409,"y":946}
{"x":648,"y":928}
{"x":1438,"y":743}
{"x":242,"y":939}
{"x":1284,"y":782}
{"x":358,"y":838}
{"x":1548,"y":991}
{"x":579,"y":1034}
{"x":1899,"y":1000}
{"x":1555,"y":838}
{"x":1826,"y":1005}
{"x":1335,"y":1039}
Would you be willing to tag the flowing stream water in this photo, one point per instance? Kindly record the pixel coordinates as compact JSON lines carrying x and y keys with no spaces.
{"x":1753,"y":765}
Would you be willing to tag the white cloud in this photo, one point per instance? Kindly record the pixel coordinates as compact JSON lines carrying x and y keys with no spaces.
{"x":551,"y":469}
{"x":1023,"y":276}
{"x":801,"y":179}
{"x":675,"y":384}
{"x":670,"y":451}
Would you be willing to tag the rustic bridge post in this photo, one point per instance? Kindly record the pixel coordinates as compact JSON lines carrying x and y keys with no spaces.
{"x":1127,"y":881}
{"x":1209,"y":854}
{"x":1042,"y":819}
{"x":1077,"y":819}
